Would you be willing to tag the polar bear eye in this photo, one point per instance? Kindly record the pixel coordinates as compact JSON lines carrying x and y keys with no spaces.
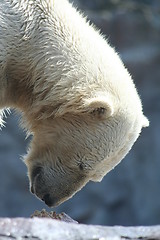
{"x":81,"y":166}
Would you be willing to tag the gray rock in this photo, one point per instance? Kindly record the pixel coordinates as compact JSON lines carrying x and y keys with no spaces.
{"x":21,"y":228}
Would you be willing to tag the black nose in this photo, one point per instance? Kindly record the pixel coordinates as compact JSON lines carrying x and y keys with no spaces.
{"x":47,"y":199}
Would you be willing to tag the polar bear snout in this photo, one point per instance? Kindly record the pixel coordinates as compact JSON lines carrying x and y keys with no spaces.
{"x":37,"y":179}
{"x":54,"y":187}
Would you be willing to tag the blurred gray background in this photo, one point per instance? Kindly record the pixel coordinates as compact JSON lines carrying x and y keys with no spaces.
{"x":130,"y":194}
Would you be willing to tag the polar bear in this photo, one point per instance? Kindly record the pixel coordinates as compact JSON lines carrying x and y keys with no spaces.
{"x":77,"y":99}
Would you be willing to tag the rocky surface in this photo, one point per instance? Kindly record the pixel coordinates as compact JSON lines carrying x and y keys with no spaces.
{"x":40,"y":229}
{"x":130,"y":194}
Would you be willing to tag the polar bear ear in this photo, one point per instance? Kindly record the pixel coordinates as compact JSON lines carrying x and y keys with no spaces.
{"x":99,"y":107}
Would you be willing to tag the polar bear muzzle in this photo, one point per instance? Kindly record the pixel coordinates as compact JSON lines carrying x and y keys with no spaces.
{"x":53,"y":187}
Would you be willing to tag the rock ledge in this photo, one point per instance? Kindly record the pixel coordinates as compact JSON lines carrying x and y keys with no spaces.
{"x":23,"y":228}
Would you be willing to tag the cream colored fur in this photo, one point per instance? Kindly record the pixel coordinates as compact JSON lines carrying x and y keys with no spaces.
{"x":77,"y":98}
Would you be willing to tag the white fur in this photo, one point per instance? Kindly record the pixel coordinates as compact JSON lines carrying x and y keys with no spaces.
{"x":76,"y":96}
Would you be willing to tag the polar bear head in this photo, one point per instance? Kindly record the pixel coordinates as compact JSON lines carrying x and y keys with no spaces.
{"x":69,"y":151}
